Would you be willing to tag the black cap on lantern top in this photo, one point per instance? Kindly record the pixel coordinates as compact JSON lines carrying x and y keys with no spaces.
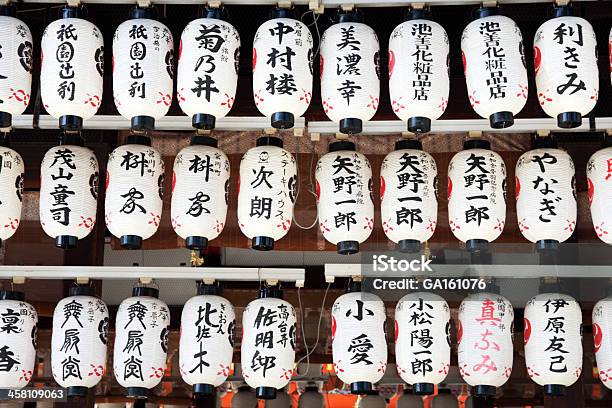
{"x":351,"y":126}
{"x":569,"y":120}
{"x":554,"y":390}
{"x":347,"y":247}
{"x":138,"y":140}
{"x":265,"y":393}
{"x":341,"y":145}
{"x":353,"y":16}
{"x":311,"y":388}
{"x":274,"y":292}
{"x":70,"y":122}
{"x":262,"y":243}
{"x":282,"y":120}
{"x":269,"y":141}
{"x":203,"y":121}
{"x":207,"y":289}
{"x":66,"y":241}
{"x":362,"y":387}
{"x":6,"y":120}
{"x":200,"y":140}
{"x":423,"y":388}
{"x":281,"y":12}
{"x":607,"y":141}
{"x":481,"y":391}
{"x":73,"y":12}
{"x":130,"y":241}
{"x":538,"y":142}
{"x":546,"y":245}
{"x":203,"y":389}
{"x":145,"y":291}
{"x":143,"y":12}
{"x":408,"y":144}
{"x":418,"y":14}
{"x":476,"y":144}
{"x":409,"y":246}
{"x":501,"y":120}
{"x":73,"y":139}
{"x":4,"y":140}
{"x":196,"y":243}
{"x":12,"y":295}
{"x":76,"y":392}
{"x":483,"y":12}
{"x":8,"y":10}
{"x":353,"y":286}
{"x":81,"y":290}
{"x":563,"y":11}
{"x":477,"y":245}
{"x":143,"y":123}
{"x":137,"y":392}
{"x":214,"y":12}
{"x":419,"y":124}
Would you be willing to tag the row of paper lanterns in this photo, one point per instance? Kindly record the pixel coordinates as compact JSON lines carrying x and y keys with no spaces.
{"x":552,"y":336}
{"x":545,"y":193}
{"x":143,"y":69}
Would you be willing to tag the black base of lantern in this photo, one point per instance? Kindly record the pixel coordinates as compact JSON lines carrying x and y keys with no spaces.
{"x":282,"y":120}
{"x":6,"y":119}
{"x":71,"y":122}
{"x":347,"y":247}
{"x":8,"y":10}
{"x":143,"y":123}
{"x":131,"y":241}
{"x":12,"y":295}
{"x":200,"y":140}
{"x":484,"y":390}
{"x":145,"y":291}
{"x":361,"y":387}
{"x":137,"y":392}
{"x":419,"y":124}
{"x":342,"y":145}
{"x":66,"y":241}
{"x":79,"y":392}
{"x":501,"y":120}
{"x":203,"y":389}
{"x":476,"y":144}
{"x":196,"y":243}
{"x":262,"y":243}
{"x":477,"y":245}
{"x":138,"y":140}
{"x":547,"y":245}
{"x":269,"y":141}
{"x":423,"y":388}
{"x":408,"y":144}
{"x":569,"y":120}
{"x":409,"y":246}
{"x":265,"y":393}
{"x":203,"y":121}
{"x":554,"y":390}
{"x":81,"y":290}
{"x":351,"y":126}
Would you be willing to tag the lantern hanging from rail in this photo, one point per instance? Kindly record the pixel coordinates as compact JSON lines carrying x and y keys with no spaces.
{"x":282,"y":68}
{"x":200,"y":192}
{"x":266,"y":194}
{"x":207,"y":74}
{"x":553,"y":341}
{"x":444,"y":399}
{"x":359,"y":346}
{"x":311,"y":398}
{"x":68,"y":191}
{"x":15,"y":65}
{"x":134,"y":191}
{"x":599,"y":178}
{"x":494,"y":66}
{"x":602,"y":335}
{"x":282,"y":400}
{"x":350,"y":72}
{"x":408,"y":191}
{"x":141,"y":341}
{"x":72,"y":65}
{"x":11,"y":190}
{"x":418,"y":71}
{"x":143,"y":68}
{"x":207,"y":340}
{"x":485,"y":342}
{"x":567,"y":77}
{"x":423,"y":364}
{"x":372,"y":401}
{"x":546,"y":205}
{"x":409,"y":400}
{"x":18,"y":346}
{"x":79,"y":341}
{"x":244,"y":398}
{"x":268,"y":366}
{"x":344,"y":197}
{"x":477,"y":194}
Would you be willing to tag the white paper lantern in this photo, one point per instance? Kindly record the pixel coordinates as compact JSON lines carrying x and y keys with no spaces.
{"x":141,"y":341}
{"x":408,"y":190}
{"x":444,"y":400}
{"x":602,"y":335}
{"x":78,"y":341}
{"x":206,"y":345}
{"x":72,"y":66}
{"x":418,"y":71}
{"x":567,"y":78}
{"x":68,"y":193}
{"x":344,"y":197}
{"x":266,"y":194}
{"x":359,"y":345}
{"x":408,"y":400}
{"x":545,"y":197}
{"x":244,"y":398}
{"x":282,"y":69}
{"x":350,"y":73}
{"x":200,"y":186}
{"x":18,"y":321}
{"x":143,"y":68}
{"x":134,"y":191}
{"x":485,"y":342}
{"x":268,"y":343}
{"x":311,"y":398}
{"x":15,"y":65}
{"x":477,"y":194}
{"x":599,"y":178}
{"x":372,"y":401}
{"x":494,"y":66}
{"x":282,"y":400}
{"x":207,"y":73}
{"x":422,"y":340}
{"x":11,"y":191}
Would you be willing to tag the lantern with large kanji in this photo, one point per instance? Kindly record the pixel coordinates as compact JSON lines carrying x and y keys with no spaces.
{"x":485,"y":342}
{"x":350,"y":73}
{"x":68,"y":192}
{"x":418,"y":71}
{"x":344,"y":197}
{"x":408,"y":191}
{"x":311,"y":398}
{"x":141,"y":341}
{"x":143,"y":68}
{"x":268,"y":343}
{"x":267,"y":187}
{"x":602,"y":336}
{"x":134,"y":191}
{"x":567,"y":77}
{"x":546,"y":205}
{"x":79,"y":341}
{"x":477,"y":194}
{"x":282,"y":68}
{"x":359,"y":346}
{"x":553,"y":341}
{"x":207,"y":73}
{"x":599,"y":178}
{"x":72,"y":67}
{"x":200,"y":192}
{"x":206,"y":345}
{"x":494,"y":66}
{"x":15,"y":65}
{"x":18,"y":345}
{"x":422,"y":362}
{"x":11,"y":190}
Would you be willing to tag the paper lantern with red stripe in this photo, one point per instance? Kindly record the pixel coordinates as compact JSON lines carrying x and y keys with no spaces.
{"x":11,"y":191}
{"x":599,"y":178}
{"x":602,"y":336}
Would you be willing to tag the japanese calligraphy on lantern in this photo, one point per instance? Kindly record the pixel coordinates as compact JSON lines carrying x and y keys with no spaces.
{"x":599,"y":178}
{"x":602,"y":336}
{"x":11,"y":192}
